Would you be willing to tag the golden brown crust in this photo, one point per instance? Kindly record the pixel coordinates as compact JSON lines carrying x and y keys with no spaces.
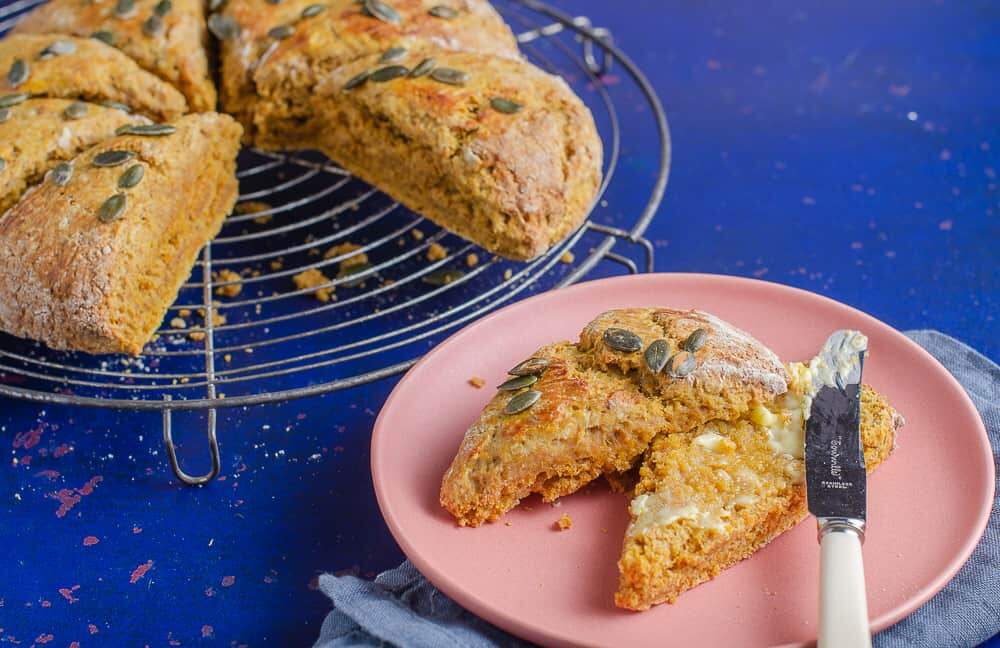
{"x":94,"y":72}
{"x":744,"y":495}
{"x":75,"y":282}
{"x":586,"y":423}
{"x":175,"y":52}
{"x":266,"y":83}
{"x":37,"y":134}
{"x":733,"y":369}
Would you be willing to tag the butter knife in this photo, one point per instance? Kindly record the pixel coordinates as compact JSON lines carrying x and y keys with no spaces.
{"x":837,"y":489}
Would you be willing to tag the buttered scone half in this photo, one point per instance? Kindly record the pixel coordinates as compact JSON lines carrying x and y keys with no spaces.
{"x":91,"y":257}
{"x":571,"y":413}
{"x":709,"y":498}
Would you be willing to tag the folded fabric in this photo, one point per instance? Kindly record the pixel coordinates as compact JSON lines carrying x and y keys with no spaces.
{"x":401,"y":608}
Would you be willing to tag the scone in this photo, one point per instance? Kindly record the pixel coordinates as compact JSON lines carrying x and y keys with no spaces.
{"x":90,"y":260}
{"x":54,"y":65}
{"x":591,"y":418}
{"x":266,"y":81}
{"x":165,"y":37}
{"x":36,"y":134}
{"x":585,"y":422}
{"x":716,"y":371}
{"x":514,"y":184}
{"x":709,"y":498}
{"x":428,"y":101}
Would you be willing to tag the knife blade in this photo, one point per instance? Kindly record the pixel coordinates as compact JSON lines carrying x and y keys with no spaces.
{"x":836,"y":488}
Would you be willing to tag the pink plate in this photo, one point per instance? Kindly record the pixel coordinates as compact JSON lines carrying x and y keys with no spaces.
{"x":928,"y":505}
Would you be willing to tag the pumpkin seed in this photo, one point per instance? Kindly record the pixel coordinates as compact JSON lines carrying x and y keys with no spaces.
{"x":224,"y":27}
{"x":504,"y":105}
{"x":622,"y":340}
{"x":522,"y":401}
{"x":441,"y":11}
{"x":681,"y":364}
{"x":57,"y":48}
{"x":656,"y":355}
{"x":152,"y":130}
{"x":281,"y":32}
{"x":530,"y":367}
{"x":518,"y":382}
{"x":62,"y":173}
{"x":131,"y":177}
{"x":4,"y":114}
{"x":6,"y":101}
{"x":450,"y":76}
{"x":3,"y":164}
{"x":112,"y":158}
{"x":696,"y":340}
{"x":381,"y":10}
{"x":152,"y":25}
{"x":163,"y":7}
{"x":388,"y":73}
{"x":422,"y":68}
{"x":352,"y":270}
{"x":18,"y":72}
{"x":75,"y":110}
{"x":117,"y":105}
{"x":213,"y":5}
{"x":124,"y":8}
{"x":105,"y":36}
{"x":112,"y":209}
{"x":443,"y":277}
{"x":392,"y":54}
{"x":357,"y":80}
{"x":313,"y":10}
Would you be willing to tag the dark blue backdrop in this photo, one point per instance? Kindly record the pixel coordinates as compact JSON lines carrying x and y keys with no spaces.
{"x":847,"y":148}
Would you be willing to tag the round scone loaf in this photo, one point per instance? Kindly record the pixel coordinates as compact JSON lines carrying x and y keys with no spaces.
{"x":710,"y":369}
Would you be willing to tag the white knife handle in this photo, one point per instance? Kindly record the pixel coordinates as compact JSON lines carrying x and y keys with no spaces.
{"x":843,"y":603}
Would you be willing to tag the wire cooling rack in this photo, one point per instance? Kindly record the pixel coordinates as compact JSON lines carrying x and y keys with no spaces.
{"x":243,"y":333}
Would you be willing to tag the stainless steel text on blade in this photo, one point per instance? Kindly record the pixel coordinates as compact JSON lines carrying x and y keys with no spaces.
{"x":835,"y":466}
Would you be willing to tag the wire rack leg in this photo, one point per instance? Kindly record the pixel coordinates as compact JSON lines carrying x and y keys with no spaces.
{"x":213,"y":448}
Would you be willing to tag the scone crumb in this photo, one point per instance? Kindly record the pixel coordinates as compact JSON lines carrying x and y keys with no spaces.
{"x":567,"y":257}
{"x":178,"y":323}
{"x":184,"y":312}
{"x":418,"y":235}
{"x":277,"y":264}
{"x":312,"y":278}
{"x":252,"y":207}
{"x":564,"y":522}
{"x":472,"y":260}
{"x":436,"y":252}
{"x":227,"y":358}
{"x":197,"y":336}
{"x":233,"y":289}
{"x":507,"y":274}
{"x":508,"y":524}
{"x":346,"y":248}
{"x":477,"y":382}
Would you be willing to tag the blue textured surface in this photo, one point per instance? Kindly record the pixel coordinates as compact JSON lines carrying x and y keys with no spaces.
{"x":846,"y":148}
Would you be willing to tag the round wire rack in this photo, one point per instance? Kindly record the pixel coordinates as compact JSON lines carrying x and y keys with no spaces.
{"x":388,"y":284}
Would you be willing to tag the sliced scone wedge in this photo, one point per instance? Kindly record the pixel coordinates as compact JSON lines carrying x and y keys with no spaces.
{"x":709,"y":498}
{"x":37,"y":134}
{"x":55,"y":65}
{"x":275,"y":53}
{"x":590,"y":418}
{"x":165,"y":37}
{"x":91,"y":261}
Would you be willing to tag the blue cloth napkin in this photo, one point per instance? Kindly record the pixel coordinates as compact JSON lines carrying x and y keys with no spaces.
{"x":401,"y":608}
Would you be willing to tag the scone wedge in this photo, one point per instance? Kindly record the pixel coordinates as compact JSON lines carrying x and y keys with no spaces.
{"x":709,"y":498}
{"x":55,"y":65}
{"x":165,"y":37}
{"x":586,"y":416}
{"x":37,"y":134}
{"x":91,"y":261}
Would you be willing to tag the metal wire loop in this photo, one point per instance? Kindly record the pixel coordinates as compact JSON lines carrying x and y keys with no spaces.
{"x":213,"y":448}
